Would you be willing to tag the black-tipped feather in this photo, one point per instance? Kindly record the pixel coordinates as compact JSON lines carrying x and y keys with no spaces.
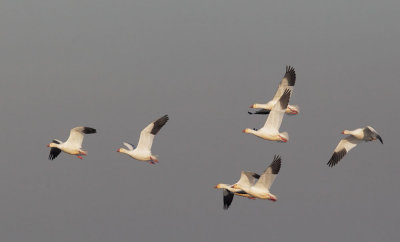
{"x":336,"y":157}
{"x":260,"y":111}
{"x":276,"y":165}
{"x":371,"y":135}
{"x":228,"y":197}
{"x":159,"y":123}
{"x":88,"y":130}
{"x":290,"y":75}
{"x":284,"y":100}
{"x":54,"y":152}
{"x":380,"y":139}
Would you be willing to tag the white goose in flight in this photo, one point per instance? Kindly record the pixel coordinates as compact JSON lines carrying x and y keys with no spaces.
{"x":73,"y":145}
{"x":355,"y":137}
{"x":229,"y":191}
{"x":287,"y":82}
{"x":261,"y":188}
{"x":143,"y":150}
{"x":270,"y":130}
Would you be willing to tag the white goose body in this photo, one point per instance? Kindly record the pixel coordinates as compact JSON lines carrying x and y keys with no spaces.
{"x":229,"y":190}
{"x":270,"y":130}
{"x":73,"y":145}
{"x":287,"y":82}
{"x":143,"y":150}
{"x":138,"y":154}
{"x":261,"y":188}
{"x":355,"y":137}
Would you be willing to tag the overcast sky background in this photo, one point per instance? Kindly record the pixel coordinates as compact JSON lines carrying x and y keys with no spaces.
{"x":118,"y":65}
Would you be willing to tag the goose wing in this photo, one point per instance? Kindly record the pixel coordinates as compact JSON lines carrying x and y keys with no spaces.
{"x":247,"y":179}
{"x":148,"y":133}
{"x":260,"y":111}
{"x":269,"y":175}
{"x":275,"y":117}
{"x":371,"y":134}
{"x":287,"y":82}
{"x":130,"y":146}
{"x":228,"y":197}
{"x":76,"y":135}
{"x":344,"y":146}
{"x":54,"y":152}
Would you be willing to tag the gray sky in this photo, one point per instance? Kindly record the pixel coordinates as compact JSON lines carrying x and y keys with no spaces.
{"x":118,"y":65}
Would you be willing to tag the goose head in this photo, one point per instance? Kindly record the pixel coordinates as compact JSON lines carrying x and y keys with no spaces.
{"x":51,"y":145}
{"x":122,"y":150}
{"x":346,"y":131}
{"x":221,"y":186}
{"x":249,"y":131}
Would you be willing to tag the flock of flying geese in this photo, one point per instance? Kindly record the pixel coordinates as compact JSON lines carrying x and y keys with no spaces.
{"x":250,"y":184}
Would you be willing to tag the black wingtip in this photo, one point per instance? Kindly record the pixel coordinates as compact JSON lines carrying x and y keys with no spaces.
{"x":290,"y":75}
{"x":276,"y":164}
{"x":336,"y":157}
{"x":284,"y":99}
{"x":54,"y":152}
{"x":88,"y":130}
{"x":228,"y":198}
{"x":380,"y":139}
{"x":159,"y":123}
{"x":262,"y":111}
{"x":249,"y":112}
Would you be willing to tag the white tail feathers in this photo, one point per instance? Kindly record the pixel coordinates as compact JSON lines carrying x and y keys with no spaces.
{"x":284,"y":135}
{"x":294,"y":109}
{"x":154,"y":158}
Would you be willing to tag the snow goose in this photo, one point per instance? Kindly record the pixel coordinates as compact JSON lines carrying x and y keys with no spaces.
{"x":261,"y":188}
{"x":287,"y":82}
{"x":229,"y":191}
{"x":355,"y":137}
{"x":73,"y":145}
{"x":143,"y":150}
{"x":270,"y":130}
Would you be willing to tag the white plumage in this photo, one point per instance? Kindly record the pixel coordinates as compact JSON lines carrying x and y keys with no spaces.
{"x":287,"y":82}
{"x":270,"y":130}
{"x":355,"y":137}
{"x":261,"y":188}
{"x":73,"y":145}
{"x":143,"y":150}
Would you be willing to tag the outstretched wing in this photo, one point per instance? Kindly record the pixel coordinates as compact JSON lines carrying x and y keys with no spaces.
{"x":247,"y":179}
{"x":76,"y":135}
{"x":148,"y":133}
{"x":130,"y":146}
{"x":275,"y":117}
{"x":370,"y":134}
{"x":260,"y":111}
{"x":269,"y":175}
{"x":287,"y":82}
{"x":228,"y":197}
{"x":344,"y":146}
{"x":54,"y":152}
